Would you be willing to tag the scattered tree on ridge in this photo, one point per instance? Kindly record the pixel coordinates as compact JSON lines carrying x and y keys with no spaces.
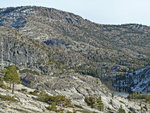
{"x":12,"y":77}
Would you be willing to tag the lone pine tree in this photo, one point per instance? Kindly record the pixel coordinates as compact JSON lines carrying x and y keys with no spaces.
{"x":12,"y":77}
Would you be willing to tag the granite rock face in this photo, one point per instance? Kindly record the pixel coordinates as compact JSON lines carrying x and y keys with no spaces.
{"x":19,"y":50}
{"x":75,"y":87}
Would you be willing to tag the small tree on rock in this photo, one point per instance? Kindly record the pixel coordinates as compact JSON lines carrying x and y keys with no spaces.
{"x":100,"y":104}
{"x":91,"y":101}
{"x":12,"y":77}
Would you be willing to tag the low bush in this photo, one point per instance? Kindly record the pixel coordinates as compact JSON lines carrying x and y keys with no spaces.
{"x":78,"y":106}
{"x":52,"y":107}
{"x":7,"y":98}
{"x":91,"y":101}
{"x":121,"y":110}
{"x":95,"y":102}
{"x":35,"y":92}
{"x":57,"y":100}
{"x":2,"y":85}
{"x":23,"y":90}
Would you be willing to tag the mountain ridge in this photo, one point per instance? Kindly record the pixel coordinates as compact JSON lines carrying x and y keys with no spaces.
{"x":64,"y":54}
{"x":102,"y":49}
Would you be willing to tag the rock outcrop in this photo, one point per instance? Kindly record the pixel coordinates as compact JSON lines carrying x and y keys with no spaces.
{"x":19,"y":50}
{"x":75,"y":87}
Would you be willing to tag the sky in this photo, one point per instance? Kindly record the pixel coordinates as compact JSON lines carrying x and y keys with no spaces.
{"x":99,"y":11}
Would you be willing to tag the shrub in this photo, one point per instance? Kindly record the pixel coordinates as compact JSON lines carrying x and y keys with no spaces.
{"x":52,"y":107}
{"x":7,"y":98}
{"x":31,"y":85}
{"x":35,"y":92}
{"x":112,"y":95}
{"x":74,"y":111}
{"x":84,"y":111}
{"x":24,"y":90}
{"x":91,"y":101}
{"x":100,"y":104}
{"x":78,"y":106}
{"x":121,"y":110}
{"x":69,"y":112}
{"x":58,"y":100}
{"x":42,"y":92}
{"x":60,"y":110}
{"x":111,"y":102}
{"x":2,"y":85}
{"x":94,"y":102}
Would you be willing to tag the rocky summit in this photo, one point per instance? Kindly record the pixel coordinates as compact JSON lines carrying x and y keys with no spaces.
{"x":74,"y":61}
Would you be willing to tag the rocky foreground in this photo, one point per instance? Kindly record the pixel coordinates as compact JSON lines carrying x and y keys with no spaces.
{"x":74,"y":87}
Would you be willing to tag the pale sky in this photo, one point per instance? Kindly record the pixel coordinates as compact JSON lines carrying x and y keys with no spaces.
{"x":99,"y":11}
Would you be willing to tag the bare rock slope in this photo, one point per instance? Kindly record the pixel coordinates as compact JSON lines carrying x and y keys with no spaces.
{"x":75,"y":87}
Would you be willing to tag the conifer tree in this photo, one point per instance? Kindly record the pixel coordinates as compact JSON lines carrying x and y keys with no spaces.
{"x":12,"y":77}
{"x":100,"y":104}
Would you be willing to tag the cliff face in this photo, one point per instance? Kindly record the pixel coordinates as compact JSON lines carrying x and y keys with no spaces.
{"x":19,"y":50}
{"x":31,"y":54}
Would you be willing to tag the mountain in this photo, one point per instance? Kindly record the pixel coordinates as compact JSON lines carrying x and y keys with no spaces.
{"x":101,"y":49}
{"x":76,"y":43}
{"x":64,"y":54}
